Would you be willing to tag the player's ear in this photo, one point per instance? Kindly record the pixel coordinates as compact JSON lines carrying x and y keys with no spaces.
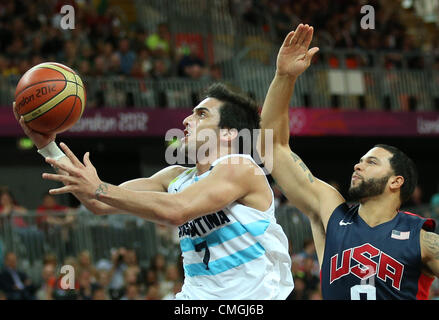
{"x":396,"y":182}
{"x":228,"y":134}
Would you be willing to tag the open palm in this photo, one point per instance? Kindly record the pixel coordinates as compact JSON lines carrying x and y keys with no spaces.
{"x":294,"y":57}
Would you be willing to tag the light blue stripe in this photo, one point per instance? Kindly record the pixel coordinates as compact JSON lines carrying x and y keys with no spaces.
{"x":226,"y":233}
{"x":226,"y":263}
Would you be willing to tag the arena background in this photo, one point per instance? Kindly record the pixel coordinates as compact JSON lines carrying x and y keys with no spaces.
{"x":146,"y":63}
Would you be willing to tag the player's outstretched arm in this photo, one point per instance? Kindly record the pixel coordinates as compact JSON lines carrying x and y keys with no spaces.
{"x":309,"y":194}
{"x":430,"y":251}
{"x":157,"y":182}
{"x":225,"y":184}
{"x":293,"y":59}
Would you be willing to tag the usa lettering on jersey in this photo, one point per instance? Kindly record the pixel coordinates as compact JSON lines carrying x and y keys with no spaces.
{"x":364,"y":262}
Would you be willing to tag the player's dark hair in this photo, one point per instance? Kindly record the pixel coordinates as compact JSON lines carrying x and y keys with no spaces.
{"x":403,"y":166}
{"x":238,"y":111}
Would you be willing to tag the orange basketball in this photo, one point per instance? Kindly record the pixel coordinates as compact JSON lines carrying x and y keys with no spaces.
{"x":50,"y":97}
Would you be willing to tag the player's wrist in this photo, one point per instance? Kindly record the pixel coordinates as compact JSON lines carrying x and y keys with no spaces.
{"x":52,"y":151}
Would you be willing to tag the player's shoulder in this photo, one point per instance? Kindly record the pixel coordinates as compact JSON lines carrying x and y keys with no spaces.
{"x":237,"y":166}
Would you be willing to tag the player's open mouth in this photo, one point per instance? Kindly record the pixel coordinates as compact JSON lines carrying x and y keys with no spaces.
{"x":356,"y":177}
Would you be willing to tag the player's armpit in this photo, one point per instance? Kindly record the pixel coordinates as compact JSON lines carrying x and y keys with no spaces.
{"x":430,"y":251}
{"x":310,"y":195}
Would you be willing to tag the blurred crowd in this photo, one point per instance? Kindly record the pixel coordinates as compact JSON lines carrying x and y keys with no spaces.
{"x":99,"y":45}
{"x":338,"y":25}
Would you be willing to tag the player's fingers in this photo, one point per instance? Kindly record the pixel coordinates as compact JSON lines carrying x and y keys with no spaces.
{"x":308,"y":37}
{"x":17,"y":116}
{"x":58,"y":177}
{"x":70,"y":169}
{"x":62,"y":190}
{"x":24,"y":126}
{"x":296,"y":34}
{"x":69,"y":153}
{"x":311,"y":53}
{"x":288,"y":38}
{"x":302,"y":34}
{"x":87,"y":161}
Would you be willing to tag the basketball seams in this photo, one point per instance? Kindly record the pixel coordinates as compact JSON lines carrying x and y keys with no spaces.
{"x":40,"y":82}
{"x":46,"y":106}
{"x":70,"y":95}
{"x":51,"y":73}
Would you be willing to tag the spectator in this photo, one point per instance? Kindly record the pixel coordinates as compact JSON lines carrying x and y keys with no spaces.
{"x":127,"y":57}
{"x":159,"y":43}
{"x":190,"y":65}
{"x":132,"y":292}
{"x":14,"y":283}
{"x":85,"y":264}
{"x":9,"y":208}
{"x":45,"y":290}
{"x":48,"y":209}
{"x":172,"y":277}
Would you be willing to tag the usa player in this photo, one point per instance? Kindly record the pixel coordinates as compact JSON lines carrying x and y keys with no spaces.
{"x":232,"y":246}
{"x":371,"y":250}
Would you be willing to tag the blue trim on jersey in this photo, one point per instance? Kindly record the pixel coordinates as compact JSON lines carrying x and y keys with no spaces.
{"x":225,"y":234}
{"x":226,"y":263}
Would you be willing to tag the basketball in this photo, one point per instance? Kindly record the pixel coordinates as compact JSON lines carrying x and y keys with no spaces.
{"x":51,"y":97}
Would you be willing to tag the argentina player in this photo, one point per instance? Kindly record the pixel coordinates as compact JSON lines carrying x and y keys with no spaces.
{"x":371,"y":250}
{"x":232,"y":246}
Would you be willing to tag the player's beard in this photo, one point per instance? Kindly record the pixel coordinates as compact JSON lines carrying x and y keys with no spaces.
{"x":368,"y":188}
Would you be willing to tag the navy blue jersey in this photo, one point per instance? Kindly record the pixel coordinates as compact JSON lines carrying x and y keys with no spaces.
{"x":383,"y":262}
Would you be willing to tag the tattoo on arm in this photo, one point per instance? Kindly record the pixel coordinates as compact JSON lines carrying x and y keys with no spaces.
{"x":303,"y":166}
{"x":102,"y":189}
{"x":431,"y":241}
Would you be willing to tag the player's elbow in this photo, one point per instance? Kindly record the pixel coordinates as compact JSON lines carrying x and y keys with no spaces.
{"x":175,"y":214}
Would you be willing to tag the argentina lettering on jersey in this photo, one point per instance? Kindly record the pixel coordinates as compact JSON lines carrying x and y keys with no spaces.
{"x":225,"y":253}
{"x":381,"y":262}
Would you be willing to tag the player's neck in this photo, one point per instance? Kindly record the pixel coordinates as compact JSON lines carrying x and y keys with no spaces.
{"x":205,"y":163}
{"x":376,"y":211}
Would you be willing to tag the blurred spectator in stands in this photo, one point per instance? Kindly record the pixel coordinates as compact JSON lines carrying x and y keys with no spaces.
{"x":311,"y":275}
{"x":14,"y":283}
{"x":158,"y":264}
{"x":85,"y":263}
{"x":132,"y":292}
{"x":153,"y":292}
{"x":159,"y":43}
{"x":175,"y":289}
{"x":146,"y":64}
{"x":172,"y":276}
{"x":100,"y":67}
{"x":86,"y":285}
{"x":116,"y":286}
{"x":114,"y":66}
{"x":48,"y":209}
{"x":100,"y":293}
{"x":316,"y":294}
{"x":127,"y":56}
{"x":299,"y":292}
{"x":215,"y":73}
{"x":279,"y":198}
{"x":309,"y":251}
{"x":10,"y":209}
{"x":190,"y":65}
{"x":48,"y":282}
{"x":50,"y":258}
{"x":160,"y":69}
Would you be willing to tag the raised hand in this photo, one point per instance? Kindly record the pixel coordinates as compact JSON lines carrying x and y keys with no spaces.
{"x":39,"y":139}
{"x":82,"y":178}
{"x":294,"y":57}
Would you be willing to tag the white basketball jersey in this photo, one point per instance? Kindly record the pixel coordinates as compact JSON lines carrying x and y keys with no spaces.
{"x":236,"y":253}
